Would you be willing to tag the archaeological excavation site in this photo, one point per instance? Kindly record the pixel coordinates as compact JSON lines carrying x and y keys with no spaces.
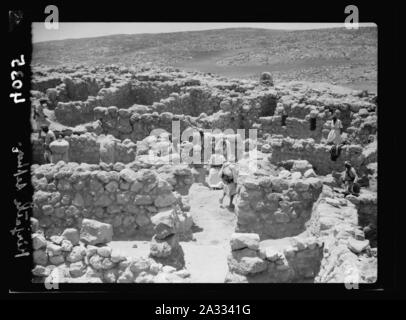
{"x":121,"y":197}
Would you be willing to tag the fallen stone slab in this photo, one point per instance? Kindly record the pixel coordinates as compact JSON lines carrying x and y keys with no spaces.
{"x":164,"y":224}
{"x":357,"y":246}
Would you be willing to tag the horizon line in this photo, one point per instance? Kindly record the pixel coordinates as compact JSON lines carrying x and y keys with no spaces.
{"x":42,"y":35}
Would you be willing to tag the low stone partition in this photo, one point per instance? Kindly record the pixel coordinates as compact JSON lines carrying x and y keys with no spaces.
{"x":191,"y":101}
{"x":131,"y":124}
{"x":65,"y":194}
{"x":75,"y":99}
{"x":72,"y":113}
{"x":284,"y":260}
{"x":347,"y":255}
{"x":113,"y":150}
{"x":149,"y":90}
{"x":117,"y":94}
{"x":239,"y":111}
{"x":276,"y":207}
{"x":300,"y":102}
{"x":84,"y":148}
{"x":86,"y":257}
{"x":45,"y":82}
{"x":367,"y":206}
{"x":294,"y":128}
{"x":319,"y":155}
{"x":88,"y":148}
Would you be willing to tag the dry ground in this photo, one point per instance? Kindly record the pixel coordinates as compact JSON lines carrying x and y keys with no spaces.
{"x":206,"y":256}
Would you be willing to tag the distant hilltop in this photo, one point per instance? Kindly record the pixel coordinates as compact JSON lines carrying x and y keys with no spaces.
{"x":333,"y":55}
{"x":230,"y":46}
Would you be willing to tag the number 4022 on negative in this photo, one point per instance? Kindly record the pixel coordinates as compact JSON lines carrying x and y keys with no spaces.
{"x":16,"y":78}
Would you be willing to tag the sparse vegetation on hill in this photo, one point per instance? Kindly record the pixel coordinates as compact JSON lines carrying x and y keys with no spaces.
{"x":346,"y":57}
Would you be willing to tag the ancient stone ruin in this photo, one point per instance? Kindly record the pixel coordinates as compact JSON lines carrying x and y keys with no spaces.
{"x":120,"y":201}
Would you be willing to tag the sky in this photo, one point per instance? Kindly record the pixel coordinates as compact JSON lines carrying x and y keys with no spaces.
{"x":86,"y":30}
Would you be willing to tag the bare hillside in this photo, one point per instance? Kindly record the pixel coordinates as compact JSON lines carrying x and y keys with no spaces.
{"x":340,"y":56}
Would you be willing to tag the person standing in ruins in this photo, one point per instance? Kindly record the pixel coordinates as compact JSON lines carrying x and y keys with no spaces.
{"x":284,"y":117}
{"x":229,"y":177}
{"x":215,"y":163}
{"x":334,"y":137}
{"x":313,"y":120}
{"x":40,"y":117}
{"x":350,"y":178}
{"x":49,"y":137}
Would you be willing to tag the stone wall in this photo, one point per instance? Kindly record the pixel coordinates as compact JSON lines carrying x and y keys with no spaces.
{"x":130,"y":124}
{"x":294,"y":259}
{"x":240,"y":110}
{"x":318,"y":155}
{"x":91,"y":148}
{"x":46,"y":82}
{"x":192,"y":101}
{"x":84,"y":148}
{"x":65,"y":194}
{"x":300,"y":101}
{"x":276,"y":207}
{"x":72,"y":113}
{"x":347,"y":256}
{"x":295,"y":128}
{"x":367,"y":206}
{"x":86,"y":257}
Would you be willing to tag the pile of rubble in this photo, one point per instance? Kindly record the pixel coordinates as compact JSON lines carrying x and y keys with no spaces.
{"x":86,"y":257}
{"x":285,"y":260}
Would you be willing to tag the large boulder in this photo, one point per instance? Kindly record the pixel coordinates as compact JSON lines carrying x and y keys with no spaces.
{"x":165,"y":200}
{"x":95,"y":232}
{"x":164,"y":224}
{"x":72,"y":235}
{"x":38,"y":241}
{"x":167,"y":251}
{"x":246,"y":265}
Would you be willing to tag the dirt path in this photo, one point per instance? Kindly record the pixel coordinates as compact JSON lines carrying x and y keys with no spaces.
{"x":217,"y":223}
{"x":206,"y":257}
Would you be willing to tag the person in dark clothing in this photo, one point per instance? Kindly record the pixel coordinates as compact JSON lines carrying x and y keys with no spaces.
{"x":335,"y":152}
{"x":350,"y":178}
{"x":49,"y":137}
{"x":313,"y":124}
{"x":284,"y":117}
